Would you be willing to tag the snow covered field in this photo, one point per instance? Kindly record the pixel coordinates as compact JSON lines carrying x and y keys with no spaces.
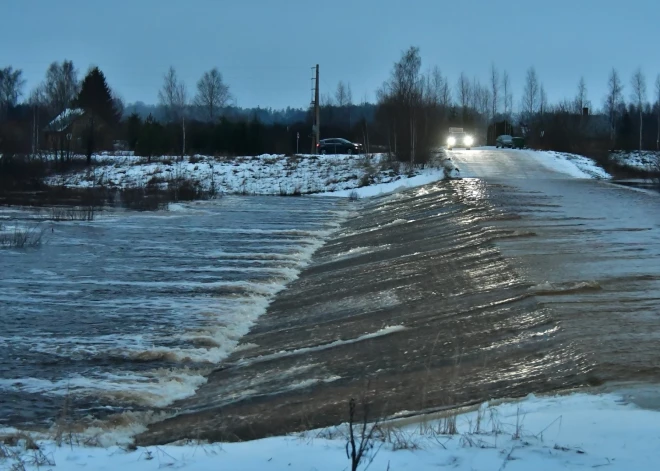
{"x":261,"y":175}
{"x":578,"y":431}
{"x":330,"y":175}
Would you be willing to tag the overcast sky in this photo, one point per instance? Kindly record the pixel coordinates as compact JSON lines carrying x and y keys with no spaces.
{"x":266,"y":48}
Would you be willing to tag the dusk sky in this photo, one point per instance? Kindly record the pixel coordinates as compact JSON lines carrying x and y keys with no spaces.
{"x":265,"y":49}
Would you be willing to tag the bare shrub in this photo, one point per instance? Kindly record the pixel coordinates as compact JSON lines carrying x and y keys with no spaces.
{"x":366,"y":180}
{"x":354,"y":196}
{"x":20,"y":238}
{"x":72,"y":214}
{"x":399,"y":439}
{"x":360,"y":445}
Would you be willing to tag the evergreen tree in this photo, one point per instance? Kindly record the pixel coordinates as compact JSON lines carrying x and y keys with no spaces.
{"x":96,"y":99}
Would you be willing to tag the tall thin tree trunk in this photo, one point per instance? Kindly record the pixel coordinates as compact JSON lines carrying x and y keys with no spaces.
{"x":641,"y":123}
{"x":183,"y":147}
{"x":657,"y":139}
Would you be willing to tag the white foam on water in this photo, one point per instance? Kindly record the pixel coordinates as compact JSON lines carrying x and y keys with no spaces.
{"x":354,"y":252}
{"x":207,"y":326}
{"x":157,"y":388}
{"x":388,"y":330}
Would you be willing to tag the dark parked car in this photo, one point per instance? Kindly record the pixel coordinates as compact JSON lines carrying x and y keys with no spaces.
{"x":504,"y":141}
{"x":338,"y":145}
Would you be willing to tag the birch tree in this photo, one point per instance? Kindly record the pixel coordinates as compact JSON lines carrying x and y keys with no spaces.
{"x":613,"y":99}
{"x":507,"y":98}
{"x":341,"y":95}
{"x":657,"y":106}
{"x":581,"y":102}
{"x":212,"y":94}
{"x":638,"y":82}
{"x":543,"y":100}
{"x":494,"y":90}
{"x":173,"y":96}
{"x":530,"y":101}
{"x":61,"y":86}
{"x":463,"y":92}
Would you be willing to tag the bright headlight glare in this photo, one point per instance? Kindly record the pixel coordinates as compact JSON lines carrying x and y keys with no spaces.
{"x":469,"y":140}
{"x":451,"y":141}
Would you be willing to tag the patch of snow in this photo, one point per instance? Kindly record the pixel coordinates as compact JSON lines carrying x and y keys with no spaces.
{"x":424,"y":177}
{"x":268,"y":174}
{"x":576,"y":166}
{"x":642,"y":160}
{"x":579,"y":431}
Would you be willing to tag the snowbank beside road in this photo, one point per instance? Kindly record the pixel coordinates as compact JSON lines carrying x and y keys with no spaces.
{"x":424,"y":176}
{"x":260,"y":175}
{"x":576,"y":166}
{"x":567,"y":432}
{"x":642,"y":160}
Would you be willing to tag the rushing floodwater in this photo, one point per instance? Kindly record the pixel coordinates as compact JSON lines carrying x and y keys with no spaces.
{"x":130,"y":311}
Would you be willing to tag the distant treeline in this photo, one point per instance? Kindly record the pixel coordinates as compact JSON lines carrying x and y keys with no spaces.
{"x":410,"y":118}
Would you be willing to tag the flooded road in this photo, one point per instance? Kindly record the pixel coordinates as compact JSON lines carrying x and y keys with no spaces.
{"x":595,"y":257}
{"x":449,"y":294}
{"x":514,"y":279}
{"x":130,"y":311}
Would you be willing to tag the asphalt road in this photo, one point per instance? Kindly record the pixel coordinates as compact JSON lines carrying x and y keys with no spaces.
{"x":502,"y":164}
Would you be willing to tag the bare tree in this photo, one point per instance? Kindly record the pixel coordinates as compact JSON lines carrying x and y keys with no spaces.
{"x":463,"y":90}
{"x":475,"y":94}
{"x":173,"y":96}
{"x":445,"y":94}
{"x":657,"y":105}
{"x":341,"y":95}
{"x":613,"y":99}
{"x":61,"y":86}
{"x":508,"y":97}
{"x":11,"y":87}
{"x":349,"y":95}
{"x":212,"y":93}
{"x":543,"y":100}
{"x":530,"y":101}
{"x":118,"y":103}
{"x":494,"y":90}
{"x":639,"y":96}
{"x":581,"y":101}
{"x":326,"y":100}
{"x":400,"y":103}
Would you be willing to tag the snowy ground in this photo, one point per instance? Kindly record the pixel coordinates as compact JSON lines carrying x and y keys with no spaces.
{"x":574,"y":165}
{"x":260,"y":175}
{"x":579,"y":431}
{"x":644,"y":160}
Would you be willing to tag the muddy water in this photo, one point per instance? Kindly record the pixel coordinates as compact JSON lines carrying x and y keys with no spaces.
{"x":448,"y":294}
{"x":130,"y":311}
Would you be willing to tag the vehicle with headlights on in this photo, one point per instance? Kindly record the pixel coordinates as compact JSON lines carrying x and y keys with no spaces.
{"x":459,"y":138}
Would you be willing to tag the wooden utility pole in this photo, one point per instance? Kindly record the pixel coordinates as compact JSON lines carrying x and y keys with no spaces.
{"x":316,"y":127}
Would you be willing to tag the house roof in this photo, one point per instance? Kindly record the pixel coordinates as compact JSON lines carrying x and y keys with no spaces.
{"x":64,"y":119}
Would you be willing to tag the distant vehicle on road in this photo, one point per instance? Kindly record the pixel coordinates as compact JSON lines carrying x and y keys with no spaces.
{"x":519,"y":142}
{"x":338,"y":145}
{"x":459,"y":138}
{"x":504,"y":141}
